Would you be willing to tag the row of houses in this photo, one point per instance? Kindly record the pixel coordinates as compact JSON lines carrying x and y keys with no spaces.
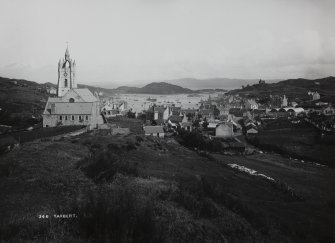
{"x":113,"y":109}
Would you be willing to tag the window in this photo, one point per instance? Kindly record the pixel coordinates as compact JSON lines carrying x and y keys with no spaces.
{"x":71,"y":100}
{"x":53,"y":108}
{"x":158,"y":134}
{"x":65,"y":118}
{"x":79,"y":118}
{"x":72,"y":117}
{"x":65,"y":83}
{"x":86,"y":117}
{"x":60,"y":118}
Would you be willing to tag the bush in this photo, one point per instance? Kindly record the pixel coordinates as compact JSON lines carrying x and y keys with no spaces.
{"x":117,"y":214}
{"x":104,"y":165}
{"x":139,"y":139}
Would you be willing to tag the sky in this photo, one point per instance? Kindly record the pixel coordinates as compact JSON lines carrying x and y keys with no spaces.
{"x":131,"y":42}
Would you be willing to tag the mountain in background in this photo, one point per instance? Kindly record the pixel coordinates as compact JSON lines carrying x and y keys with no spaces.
{"x":197,"y":84}
{"x":213,"y":83}
{"x":155,"y":88}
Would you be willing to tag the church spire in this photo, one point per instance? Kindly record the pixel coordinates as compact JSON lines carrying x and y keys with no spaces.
{"x":67,"y":53}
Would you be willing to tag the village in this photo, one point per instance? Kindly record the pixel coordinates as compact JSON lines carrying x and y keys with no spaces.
{"x":223,"y":118}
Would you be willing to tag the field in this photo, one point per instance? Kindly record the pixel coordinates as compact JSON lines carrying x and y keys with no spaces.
{"x":142,"y":189}
{"x":302,"y":142}
{"x":134,"y":125}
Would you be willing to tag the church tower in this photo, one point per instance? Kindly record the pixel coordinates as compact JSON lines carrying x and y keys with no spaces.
{"x":66,"y":74}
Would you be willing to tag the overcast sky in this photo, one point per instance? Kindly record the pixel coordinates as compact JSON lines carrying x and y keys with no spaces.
{"x":115,"y":42}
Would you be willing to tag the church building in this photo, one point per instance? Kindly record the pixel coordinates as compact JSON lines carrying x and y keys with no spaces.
{"x":72,"y":106}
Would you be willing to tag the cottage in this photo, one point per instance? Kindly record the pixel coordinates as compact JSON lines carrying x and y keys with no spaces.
{"x":113,"y":109}
{"x":186,"y":124}
{"x":224,"y":130}
{"x":52,"y":90}
{"x":223,"y":111}
{"x":252,"y":130}
{"x":316,"y":96}
{"x":156,"y":131}
{"x":251,"y":104}
{"x":206,"y":113}
{"x":159,"y":114}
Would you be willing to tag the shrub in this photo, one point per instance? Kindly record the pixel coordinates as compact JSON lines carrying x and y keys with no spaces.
{"x":139,"y":139}
{"x":7,"y":167}
{"x":104,"y":165}
{"x":117,"y":214}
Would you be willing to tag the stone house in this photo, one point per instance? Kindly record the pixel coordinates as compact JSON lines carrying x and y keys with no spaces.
{"x":156,"y":131}
{"x":250,"y":104}
{"x":160,"y":114}
{"x":224,"y":130}
{"x":113,"y":109}
{"x":186,"y":124}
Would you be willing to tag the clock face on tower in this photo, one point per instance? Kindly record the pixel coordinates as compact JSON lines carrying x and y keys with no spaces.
{"x":65,"y":74}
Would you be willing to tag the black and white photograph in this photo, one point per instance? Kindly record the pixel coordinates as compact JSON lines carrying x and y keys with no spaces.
{"x":167,"y":121}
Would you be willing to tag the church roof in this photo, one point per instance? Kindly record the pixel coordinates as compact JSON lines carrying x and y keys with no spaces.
{"x":71,"y":109}
{"x":55,"y":99}
{"x":86,"y":95}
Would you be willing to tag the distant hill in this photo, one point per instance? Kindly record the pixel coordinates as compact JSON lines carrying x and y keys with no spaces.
{"x":295,"y":88}
{"x":162,"y":88}
{"x":211,"y":83}
{"x":152,"y":88}
{"x":93,"y":89}
{"x":200,"y":84}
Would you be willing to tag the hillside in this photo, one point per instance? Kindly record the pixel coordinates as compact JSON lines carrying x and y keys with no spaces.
{"x":20,"y":100}
{"x":143,"y":189}
{"x":292,"y":88}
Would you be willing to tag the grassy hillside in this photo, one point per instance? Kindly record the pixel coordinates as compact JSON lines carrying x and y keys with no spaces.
{"x":19,"y":100}
{"x":292,"y":88}
{"x":132,"y":188}
{"x":301,"y":141}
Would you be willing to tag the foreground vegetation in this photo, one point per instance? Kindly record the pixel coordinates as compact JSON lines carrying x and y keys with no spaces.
{"x":143,"y":189}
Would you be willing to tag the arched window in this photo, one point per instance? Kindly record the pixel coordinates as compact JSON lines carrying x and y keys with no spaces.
{"x":65,"y":83}
{"x":71,"y":100}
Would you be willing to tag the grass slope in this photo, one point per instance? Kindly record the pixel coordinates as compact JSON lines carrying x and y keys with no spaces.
{"x":131,"y":188}
{"x":18,"y":102}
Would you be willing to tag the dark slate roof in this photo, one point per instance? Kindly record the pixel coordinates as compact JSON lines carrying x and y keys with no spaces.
{"x":153,"y":129}
{"x":175,"y":118}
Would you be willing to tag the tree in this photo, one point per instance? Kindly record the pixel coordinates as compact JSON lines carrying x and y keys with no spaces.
{"x":205,"y":123}
{"x":131,"y":114}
